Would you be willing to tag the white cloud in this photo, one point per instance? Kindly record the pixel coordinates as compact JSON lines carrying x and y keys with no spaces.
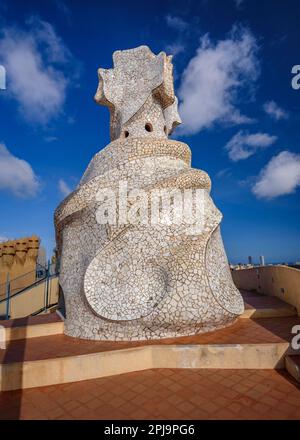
{"x":210,"y":82}
{"x":225,"y":172}
{"x":47,"y":39}
{"x":175,"y":48}
{"x":16,"y":175}
{"x":51,"y":138}
{"x":243,"y":145}
{"x":64,"y":188}
{"x":238,"y":3}
{"x":280,"y":176}
{"x":176,"y":23}
{"x":62,"y":7}
{"x":34,"y":60}
{"x":3,"y":239}
{"x":276,"y":112}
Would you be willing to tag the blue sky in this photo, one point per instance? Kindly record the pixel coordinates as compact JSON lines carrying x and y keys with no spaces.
{"x":233,"y":61}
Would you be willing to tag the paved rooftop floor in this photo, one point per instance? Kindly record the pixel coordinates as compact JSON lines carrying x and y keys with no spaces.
{"x":254,"y":300}
{"x":162,"y":394}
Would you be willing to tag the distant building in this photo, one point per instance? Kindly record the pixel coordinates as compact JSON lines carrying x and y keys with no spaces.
{"x":42,"y":257}
{"x":262,"y":260}
{"x":18,"y":263}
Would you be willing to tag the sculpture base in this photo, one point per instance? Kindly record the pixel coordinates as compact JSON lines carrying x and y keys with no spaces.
{"x":155,"y":333}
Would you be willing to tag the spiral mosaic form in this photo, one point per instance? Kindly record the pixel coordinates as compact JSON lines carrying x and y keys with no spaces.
{"x":124,"y":275}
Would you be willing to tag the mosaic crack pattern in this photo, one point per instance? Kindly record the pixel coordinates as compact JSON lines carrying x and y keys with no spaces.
{"x":142,"y":281}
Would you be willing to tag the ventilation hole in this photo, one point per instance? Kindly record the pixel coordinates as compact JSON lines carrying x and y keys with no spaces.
{"x":126,"y":133}
{"x":148,"y":127}
{"x":165,"y":129}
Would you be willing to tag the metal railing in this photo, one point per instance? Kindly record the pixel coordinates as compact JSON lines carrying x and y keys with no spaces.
{"x":24,"y":283}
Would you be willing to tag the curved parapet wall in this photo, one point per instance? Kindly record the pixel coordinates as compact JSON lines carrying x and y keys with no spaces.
{"x":126,"y":273}
{"x":278,"y":280}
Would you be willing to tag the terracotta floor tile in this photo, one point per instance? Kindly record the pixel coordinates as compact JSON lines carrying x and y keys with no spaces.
{"x":223,"y":414}
{"x":175,"y":387}
{"x":186,"y":407}
{"x":139,"y":399}
{"x":160,"y":394}
{"x":269,"y":401}
{"x":69,"y":406}
{"x":262,"y":408}
{"x":174,"y":399}
{"x":294,"y":401}
{"x":245,"y":400}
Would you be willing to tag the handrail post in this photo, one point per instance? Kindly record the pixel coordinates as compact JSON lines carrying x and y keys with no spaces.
{"x":7,"y":297}
{"x":47,"y":285}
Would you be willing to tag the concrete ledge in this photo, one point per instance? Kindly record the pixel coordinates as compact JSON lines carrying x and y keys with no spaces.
{"x":34,"y":331}
{"x":74,"y":368}
{"x":269,"y":312}
{"x":292,"y":364}
{"x":235,"y":356}
{"x":32,"y":326}
{"x":28,"y":374}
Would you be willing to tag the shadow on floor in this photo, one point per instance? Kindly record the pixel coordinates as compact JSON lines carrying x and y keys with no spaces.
{"x":11,"y":401}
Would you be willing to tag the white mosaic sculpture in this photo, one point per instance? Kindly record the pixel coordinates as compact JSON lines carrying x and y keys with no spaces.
{"x":135,"y":279}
